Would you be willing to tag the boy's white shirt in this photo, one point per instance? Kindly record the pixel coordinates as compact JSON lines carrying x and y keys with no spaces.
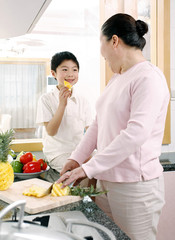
{"x":76,"y":117}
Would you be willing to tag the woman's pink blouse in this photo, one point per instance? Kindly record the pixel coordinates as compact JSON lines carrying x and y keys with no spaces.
{"x":129,"y":127}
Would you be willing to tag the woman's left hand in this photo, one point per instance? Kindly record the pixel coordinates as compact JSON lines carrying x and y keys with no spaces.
{"x":76,"y":176}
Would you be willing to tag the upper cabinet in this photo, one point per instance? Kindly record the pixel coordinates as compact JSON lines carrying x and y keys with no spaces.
{"x":18,"y":17}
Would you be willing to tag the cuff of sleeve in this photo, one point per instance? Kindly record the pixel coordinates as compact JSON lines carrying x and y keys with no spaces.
{"x":78,"y":157}
{"x":89,"y":169}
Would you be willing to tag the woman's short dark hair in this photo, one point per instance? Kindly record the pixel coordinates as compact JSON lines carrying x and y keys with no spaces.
{"x":131,"y":31}
{"x":59,"y":57}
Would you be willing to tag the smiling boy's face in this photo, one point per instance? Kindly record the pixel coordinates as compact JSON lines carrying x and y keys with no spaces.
{"x":66,"y":71}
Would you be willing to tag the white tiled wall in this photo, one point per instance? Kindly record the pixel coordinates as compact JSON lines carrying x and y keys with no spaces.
{"x":171,"y":147}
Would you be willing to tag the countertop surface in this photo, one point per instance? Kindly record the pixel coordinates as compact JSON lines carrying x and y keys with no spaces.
{"x":168,"y":161}
{"x":94,"y":214}
{"x":91,"y":211}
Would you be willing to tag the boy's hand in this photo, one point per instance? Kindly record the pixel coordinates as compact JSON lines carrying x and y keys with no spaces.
{"x":63,"y":95}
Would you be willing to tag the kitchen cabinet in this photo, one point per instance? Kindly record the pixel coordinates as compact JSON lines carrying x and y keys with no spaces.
{"x":19,"y":17}
{"x":166,"y":227}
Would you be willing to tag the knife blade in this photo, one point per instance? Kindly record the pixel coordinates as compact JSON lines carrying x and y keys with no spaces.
{"x":48,"y":190}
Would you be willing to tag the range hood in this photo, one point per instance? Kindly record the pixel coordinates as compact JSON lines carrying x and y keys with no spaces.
{"x":18,"y":17}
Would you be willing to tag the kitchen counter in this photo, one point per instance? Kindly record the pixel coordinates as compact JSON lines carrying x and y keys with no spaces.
{"x":91,"y":211}
{"x":168,"y":167}
{"x":168,"y":161}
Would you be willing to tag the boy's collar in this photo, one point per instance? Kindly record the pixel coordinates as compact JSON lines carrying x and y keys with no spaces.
{"x":73,"y":95}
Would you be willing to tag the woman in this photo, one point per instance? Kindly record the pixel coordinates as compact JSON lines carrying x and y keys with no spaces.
{"x":127,"y":132}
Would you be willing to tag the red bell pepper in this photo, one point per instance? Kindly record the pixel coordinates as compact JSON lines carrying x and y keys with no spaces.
{"x":27,"y":157}
{"x":32,"y":167}
{"x":43,"y":164}
{"x":41,"y":161}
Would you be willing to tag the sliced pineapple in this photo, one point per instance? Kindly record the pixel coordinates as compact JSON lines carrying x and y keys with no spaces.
{"x":57,"y":191}
{"x":67,"y":84}
{"x":35,"y":191}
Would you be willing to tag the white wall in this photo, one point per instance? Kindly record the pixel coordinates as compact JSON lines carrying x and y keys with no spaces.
{"x":171,"y":147}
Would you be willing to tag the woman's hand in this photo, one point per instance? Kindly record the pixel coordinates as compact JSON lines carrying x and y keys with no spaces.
{"x":76,"y":176}
{"x":70,"y":165}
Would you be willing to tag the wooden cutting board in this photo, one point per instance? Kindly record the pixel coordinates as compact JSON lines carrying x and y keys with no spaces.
{"x":33,"y":204}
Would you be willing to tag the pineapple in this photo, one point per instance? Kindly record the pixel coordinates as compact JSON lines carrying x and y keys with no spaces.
{"x":6,"y":170}
{"x":57,"y":191}
{"x":67,"y":84}
{"x":35,"y":191}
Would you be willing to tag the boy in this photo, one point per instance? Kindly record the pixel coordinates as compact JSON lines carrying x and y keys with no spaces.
{"x":64,"y":114}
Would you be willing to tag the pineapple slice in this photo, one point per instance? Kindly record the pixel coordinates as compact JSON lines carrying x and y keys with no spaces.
{"x":35,"y":191}
{"x":57,"y":191}
{"x":67,"y":84}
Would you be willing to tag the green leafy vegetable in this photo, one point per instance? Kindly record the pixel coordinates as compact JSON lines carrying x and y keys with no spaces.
{"x":85,"y":191}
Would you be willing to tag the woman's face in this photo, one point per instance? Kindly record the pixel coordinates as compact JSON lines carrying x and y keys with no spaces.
{"x":107,"y":50}
{"x":104,"y":46}
{"x":66,"y":71}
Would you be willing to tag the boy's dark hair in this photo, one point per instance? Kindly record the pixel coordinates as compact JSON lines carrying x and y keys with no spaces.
{"x":131,"y":31}
{"x":59,"y":57}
